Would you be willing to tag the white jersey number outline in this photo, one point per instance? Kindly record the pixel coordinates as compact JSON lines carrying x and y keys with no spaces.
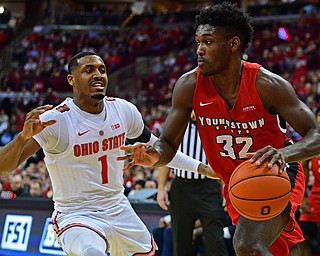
{"x":229,"y":140}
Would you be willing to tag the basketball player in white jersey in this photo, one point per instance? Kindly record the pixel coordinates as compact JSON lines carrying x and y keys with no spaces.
{"x":81,"y":139}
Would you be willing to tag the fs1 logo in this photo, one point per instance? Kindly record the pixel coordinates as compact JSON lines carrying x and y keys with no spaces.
{"x":48,"y":243}
{"x":16,"y":232}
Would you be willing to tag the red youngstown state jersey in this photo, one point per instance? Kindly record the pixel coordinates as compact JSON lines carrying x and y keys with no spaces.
{"x":228,"y":134}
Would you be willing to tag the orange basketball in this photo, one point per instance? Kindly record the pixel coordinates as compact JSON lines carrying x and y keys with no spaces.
{"x":259,"y":192}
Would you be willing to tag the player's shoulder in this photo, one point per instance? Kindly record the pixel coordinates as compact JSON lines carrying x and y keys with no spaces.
{"x":117,"y":101}
{"x":57,"y":111}
{"x":187,"y":79}
{"x":187,"y":82}
{"x":63,"y":107}
{"x":267,"y":78}
{"x":273,"y":89}
{"x":190,"y":76}
{"x":123,"y":108}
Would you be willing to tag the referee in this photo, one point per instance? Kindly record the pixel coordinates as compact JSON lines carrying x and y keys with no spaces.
{"x":193,"y":196}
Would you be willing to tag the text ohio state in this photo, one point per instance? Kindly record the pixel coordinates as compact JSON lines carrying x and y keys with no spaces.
{"x":94,"y":147}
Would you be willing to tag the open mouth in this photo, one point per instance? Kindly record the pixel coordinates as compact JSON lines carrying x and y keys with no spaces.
{"x":98,"y":86}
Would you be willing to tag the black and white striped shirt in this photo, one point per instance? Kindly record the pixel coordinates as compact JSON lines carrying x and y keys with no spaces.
{"x":191,"y":146}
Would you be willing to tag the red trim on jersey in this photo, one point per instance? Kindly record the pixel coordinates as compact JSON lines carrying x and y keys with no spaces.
{"x":63,"y":108}
{"x":108,"y":98}
{"x":152,"y":252}
{"x":60,"y":231}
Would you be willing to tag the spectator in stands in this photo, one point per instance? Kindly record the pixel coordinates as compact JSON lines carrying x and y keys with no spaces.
{"x":52,"y":97}
{"x":153,"y":94}
{"x":4,"y":121}
{"x":137,"y":186}
{"x":30,"y":65}
{"x":24,"y":96}
{"x":150,"y":184}
{"x":300,"y":61}
{"x":48,"y":193}
{"x":17,"y":121}
{"x":17,"y":187}
{"x":163,"y":236}
{"x":8,"y":98}
{"x":13,"y":80}
{"x":26,"y":176}
{"x":36,"y":187}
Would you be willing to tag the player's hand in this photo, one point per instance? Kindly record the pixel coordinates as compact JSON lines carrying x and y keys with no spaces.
{"x":163,"y":199}
{"x":270,"y":155}
{"x":33,"y":125}
{"x":141,"y":154}
{"x":207,"y":171}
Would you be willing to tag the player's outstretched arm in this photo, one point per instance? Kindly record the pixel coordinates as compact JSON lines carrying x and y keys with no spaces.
{"x":23,"y":146}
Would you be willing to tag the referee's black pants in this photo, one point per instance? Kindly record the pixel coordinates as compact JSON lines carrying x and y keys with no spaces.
{"x":192,"y":198}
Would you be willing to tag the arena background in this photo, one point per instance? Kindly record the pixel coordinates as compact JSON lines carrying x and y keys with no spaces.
{"x":147,"y":45}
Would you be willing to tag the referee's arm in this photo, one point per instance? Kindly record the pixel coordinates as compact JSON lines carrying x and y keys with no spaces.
{"x":162,"y":196}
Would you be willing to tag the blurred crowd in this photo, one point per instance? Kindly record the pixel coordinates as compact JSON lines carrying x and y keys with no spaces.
{"x":291,"y":50}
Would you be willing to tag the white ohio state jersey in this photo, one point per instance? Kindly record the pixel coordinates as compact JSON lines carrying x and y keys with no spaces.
{"x":86,"y":175}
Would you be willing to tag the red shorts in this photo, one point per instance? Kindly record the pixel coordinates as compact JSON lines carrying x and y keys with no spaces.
{"x":314,"y":200}
{"x":292,"y":234}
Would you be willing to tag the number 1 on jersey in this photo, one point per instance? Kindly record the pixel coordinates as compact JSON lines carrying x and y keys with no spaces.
{"x":104,"y":169}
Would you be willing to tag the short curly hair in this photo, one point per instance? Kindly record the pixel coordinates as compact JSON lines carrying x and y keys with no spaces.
{"x":73,"y":62}
{"x":230,"y":17}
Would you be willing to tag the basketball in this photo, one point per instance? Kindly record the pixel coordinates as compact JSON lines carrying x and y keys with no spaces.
{"x":259,"y":192}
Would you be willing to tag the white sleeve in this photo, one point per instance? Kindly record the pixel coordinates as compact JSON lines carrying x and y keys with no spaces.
{"x":54,"y":138}
{"x":134,"y":120}
{"x":180,"y":160}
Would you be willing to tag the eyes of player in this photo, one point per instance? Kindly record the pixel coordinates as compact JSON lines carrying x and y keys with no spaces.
{"x":206,"y":42}
{"x":90,"y":70}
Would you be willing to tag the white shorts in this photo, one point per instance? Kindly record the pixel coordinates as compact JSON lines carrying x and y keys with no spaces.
{"x":120,"y":227}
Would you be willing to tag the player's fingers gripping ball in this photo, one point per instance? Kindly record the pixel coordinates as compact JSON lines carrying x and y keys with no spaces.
{"x":259,"y":192}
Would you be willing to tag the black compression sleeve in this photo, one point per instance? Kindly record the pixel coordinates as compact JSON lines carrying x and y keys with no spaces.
{"x":144,"y":137}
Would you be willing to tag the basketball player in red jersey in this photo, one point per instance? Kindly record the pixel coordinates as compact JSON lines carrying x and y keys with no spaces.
{"x":309,"y":219}
{"x":240,"y":107}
